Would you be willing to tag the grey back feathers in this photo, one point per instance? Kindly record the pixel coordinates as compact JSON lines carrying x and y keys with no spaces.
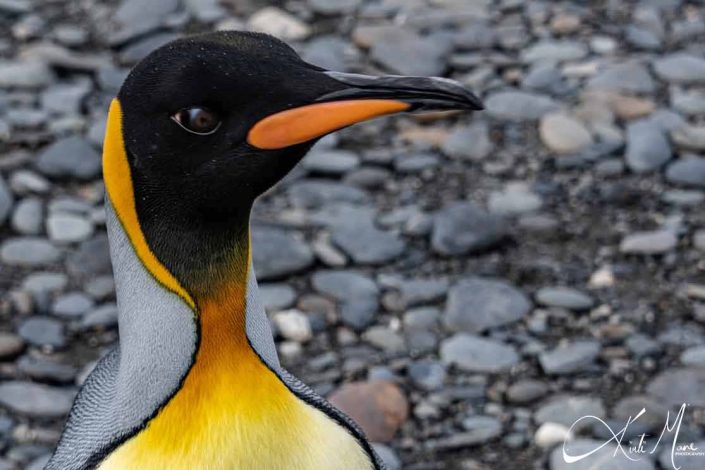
{"x":158,"y":340}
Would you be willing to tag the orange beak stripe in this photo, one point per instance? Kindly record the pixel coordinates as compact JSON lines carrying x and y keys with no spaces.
{"x":298,"y":125}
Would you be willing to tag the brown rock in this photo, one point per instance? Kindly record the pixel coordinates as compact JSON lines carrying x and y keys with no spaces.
{"x":565,"y":23}
{"x":379,"y":407}
{"x":631,"y":107}
{"x":10,"y":345}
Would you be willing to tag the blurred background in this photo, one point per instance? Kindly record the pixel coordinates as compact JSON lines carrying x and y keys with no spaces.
{"x":466,"y":287}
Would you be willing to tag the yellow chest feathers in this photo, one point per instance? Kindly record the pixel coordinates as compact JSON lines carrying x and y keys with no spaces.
{"x":233,"y":413}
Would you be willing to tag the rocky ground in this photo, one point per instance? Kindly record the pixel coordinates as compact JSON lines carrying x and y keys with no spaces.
{"x":464,"y":286}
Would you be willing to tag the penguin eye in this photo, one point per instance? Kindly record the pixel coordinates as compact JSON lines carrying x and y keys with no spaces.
{"x":197,"y":120}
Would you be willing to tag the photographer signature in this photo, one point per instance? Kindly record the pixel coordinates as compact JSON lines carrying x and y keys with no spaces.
{"x":632,"y":450}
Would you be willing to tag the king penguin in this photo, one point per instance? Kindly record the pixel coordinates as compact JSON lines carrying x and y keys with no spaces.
{"x":200,"y":128}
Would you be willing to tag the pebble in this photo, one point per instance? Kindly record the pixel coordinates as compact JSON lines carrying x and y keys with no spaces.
{"x":68,"y":228}
{"x":331,"y":162}
{"x":277,"y":297}
{"x":699,"y":240}
{"x":687,"y":172}
{"x":689,"y":137}
{"x":554,"y":51}
{"x":28,"y":251}
{"x":470,"y":142}
{"x":43,"y":331}
{"x":334,"y":7}
{"x":427,"y":375}
{"x":694,"y":356}
{"x":43,"y":282}
{"x":676,"y":386}
{"x":72,"y":305}
{"x":6,"y":200}
{"x":404,"y":52}
{"x":481,"y":429}
{"x":364,"y":243}
{"x":629,"y":76}
{"x":279,"y":23}
{"x":10,"y":345}
{"x":382,"y":337}
{"x":519,"y":105}
{"x":357,"y":294}
{"x":132,"y":19}
{"x":378,"y":407}
{"x":35,"y":400}
{"x":526,"y":391}
{"x":647,"y":147}
{"x":312,"y":194}
{"x":570,"y":358}
{"x":293,"y":325}
{"x":562,"y":134}
{"x":28,"y":216}
{"x":514,"y":201}
{"x":475,"y":354}
{"x":649,"y":243}
{"x":103,"y":316}
{"x":567,"y":409}
{"x":564,"y":297}
{"x":463,"y":228}
{"x":681,"y":68}
{"x":42,"y":369}
{"x":69,"y":157}
{"x":550,"y":434}
{"x":277,"y":253}
{"x":475,"y":305}
{"x":24,"y":74}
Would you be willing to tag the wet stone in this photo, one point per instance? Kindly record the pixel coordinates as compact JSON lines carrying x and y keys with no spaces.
{"x":358,"y":295}
{"x":630,"y":76}
{"x":687,"y":172}
{"x":68,"y":228}
{"x":43,"y":331}
{"x":331,"y":162}
{"x":647,"y":147}
{"x":649,"y":243}
{"x":378,"y":407}
{"x":681,"y":68}
{"x":40,"y":282}
{"x":72,"y":305}
{"x":566,"y":409}
{"x":364,"y":243}
{"x":35,"y":400}
{"x":28,"y":216}
{"x":28,"y":251}
{"x":6,"y":200}
{"x":564,"y":297}
{"x":69,"y":157}
{"x":10,"y":345}
{"x":427,"y":375}
{"x":406,"y":53}
{"x":26,"y":74}
{"x":475,"y":354}
{"x":46,"y":370}
{"x":103,"y":316}
{"x":475,"y":305}
{"x":277,"y":296}
{"x":526,"y":391}
{"x":465,"y":228}
{"x":519,"y":105}
{"x":570,"y":358}
{"x":91,"y":258}
{"x":277,"y":253}
{"x":676,"y":386}
{"x":471,"y":142}
{"x":481,"y":429}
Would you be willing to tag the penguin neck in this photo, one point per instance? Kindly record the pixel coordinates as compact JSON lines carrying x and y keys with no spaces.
{"x":216,"y":275}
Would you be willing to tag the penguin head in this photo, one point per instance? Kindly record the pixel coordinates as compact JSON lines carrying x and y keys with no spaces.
{"x":210,"y":122}
{"x":223,"y":116}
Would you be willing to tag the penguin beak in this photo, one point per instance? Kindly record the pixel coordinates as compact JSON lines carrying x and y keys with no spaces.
{"x":361,"y":98}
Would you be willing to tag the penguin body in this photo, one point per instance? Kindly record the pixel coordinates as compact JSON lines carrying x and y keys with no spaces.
{"x":201,"y":128}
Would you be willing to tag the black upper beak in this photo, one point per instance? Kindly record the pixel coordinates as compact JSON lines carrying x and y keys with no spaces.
{"x":421,"y":93}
